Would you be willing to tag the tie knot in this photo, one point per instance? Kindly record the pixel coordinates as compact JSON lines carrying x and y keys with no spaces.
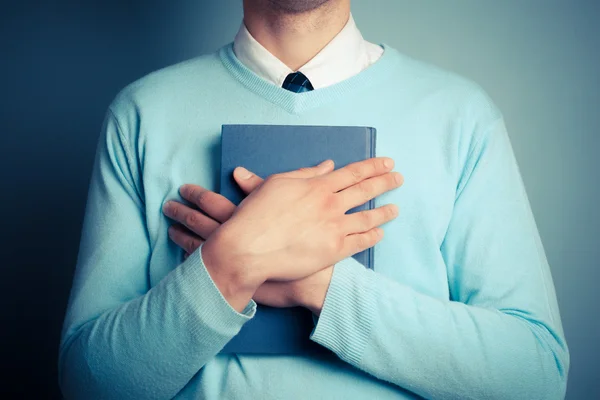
{"x":297,"y":82}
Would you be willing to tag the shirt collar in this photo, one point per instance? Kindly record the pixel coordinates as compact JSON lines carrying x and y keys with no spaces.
{"x":344,"y":56}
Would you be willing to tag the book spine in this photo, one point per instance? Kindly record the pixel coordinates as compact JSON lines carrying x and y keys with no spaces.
{"x":372,"y":136}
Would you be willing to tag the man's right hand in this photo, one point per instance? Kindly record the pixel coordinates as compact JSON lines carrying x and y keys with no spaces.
{"x":295,"y":224}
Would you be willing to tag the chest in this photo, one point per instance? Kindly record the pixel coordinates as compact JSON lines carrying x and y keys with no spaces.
{"x":409,"y":252}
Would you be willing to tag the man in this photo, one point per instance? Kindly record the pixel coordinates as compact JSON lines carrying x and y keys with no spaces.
{"x":461,"y":303}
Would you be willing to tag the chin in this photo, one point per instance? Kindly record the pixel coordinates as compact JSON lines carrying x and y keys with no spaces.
{"x":297,"y":6}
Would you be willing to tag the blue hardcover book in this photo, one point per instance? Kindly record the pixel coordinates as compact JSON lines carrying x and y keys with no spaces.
{"x":271,"y":149}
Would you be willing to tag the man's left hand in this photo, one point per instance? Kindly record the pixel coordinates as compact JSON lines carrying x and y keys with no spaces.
{"x":194,"y":227}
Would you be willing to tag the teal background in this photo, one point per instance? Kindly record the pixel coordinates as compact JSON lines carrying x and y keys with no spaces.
{"x":62,"y":62}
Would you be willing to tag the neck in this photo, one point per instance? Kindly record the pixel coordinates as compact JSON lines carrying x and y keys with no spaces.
{"x":295,"y":38}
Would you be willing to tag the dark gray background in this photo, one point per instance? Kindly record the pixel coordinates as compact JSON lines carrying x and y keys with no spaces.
{"x":61,"y":64}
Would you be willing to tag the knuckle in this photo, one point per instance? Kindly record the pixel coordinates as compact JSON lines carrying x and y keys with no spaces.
{"x":272,"y":178}
{"x":330,"y":203}
{"x":389,"y":212}
{"x":190,"y":192}
{"x":276,"y":180}
{"x":357,"y":174}
{"x":361,"y":242}
{"x":191,"y":219}
{"x":367,"y":219}
{"x":201,"y":199}
{"x":376,"y":234}
{"x":376,"y":164}
{"x":366,"y":189}
{"x":190,"y":245}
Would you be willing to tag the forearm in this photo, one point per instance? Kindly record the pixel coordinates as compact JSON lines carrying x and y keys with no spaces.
{"x":151,"y":346}
{"x":438,"y":349}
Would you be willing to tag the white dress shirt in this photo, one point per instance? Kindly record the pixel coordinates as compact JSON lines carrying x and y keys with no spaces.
{"x":344,"y":56}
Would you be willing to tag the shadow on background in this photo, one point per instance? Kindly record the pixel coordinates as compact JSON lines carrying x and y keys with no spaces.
{"x":62,"y":64}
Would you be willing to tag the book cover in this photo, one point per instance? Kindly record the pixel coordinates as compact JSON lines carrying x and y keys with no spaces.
{"x":271,"y":149}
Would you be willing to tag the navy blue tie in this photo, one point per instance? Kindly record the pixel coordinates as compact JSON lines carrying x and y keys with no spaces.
{"x":296,"y":82}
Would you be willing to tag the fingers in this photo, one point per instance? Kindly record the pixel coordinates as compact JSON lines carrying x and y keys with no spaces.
{"x":195,"y":221}
{"x":213,"y":204}
{"x":368,"y":189}
{"x":356,"y":172}
{"x":246,"y":180}
{"x":361,"y":241}
{"x":184,"y":238}
{"x":311,"y":172}
{"x":364,"y":221}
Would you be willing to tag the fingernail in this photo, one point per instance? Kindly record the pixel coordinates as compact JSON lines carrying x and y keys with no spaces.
{"x":166,"y":206}
{"x":388,"y":162}
{"x":398,"y":177}
{"x":243,"y":173}
{"x":326,"y":164}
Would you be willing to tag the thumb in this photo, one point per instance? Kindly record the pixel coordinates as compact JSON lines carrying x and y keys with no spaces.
{"x":246,"y":180}
{"x":310,"y":172}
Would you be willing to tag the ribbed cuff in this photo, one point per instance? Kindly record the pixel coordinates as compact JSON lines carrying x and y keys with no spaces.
{"x":215,"y":317}
{"x":346,"y":319}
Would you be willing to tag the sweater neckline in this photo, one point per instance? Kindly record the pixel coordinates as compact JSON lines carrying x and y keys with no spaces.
{"x":296,"y":103}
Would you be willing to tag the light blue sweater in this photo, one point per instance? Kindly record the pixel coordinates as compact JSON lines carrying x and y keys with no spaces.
{"x":461,"y":303}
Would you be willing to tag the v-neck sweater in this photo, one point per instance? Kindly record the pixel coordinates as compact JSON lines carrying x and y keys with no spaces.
{"x":461,"y":303}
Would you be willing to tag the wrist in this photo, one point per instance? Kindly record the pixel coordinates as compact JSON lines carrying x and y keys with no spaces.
{"x":313,"y":303}
{"x":234,"y":276}
{"x":310,"y":292}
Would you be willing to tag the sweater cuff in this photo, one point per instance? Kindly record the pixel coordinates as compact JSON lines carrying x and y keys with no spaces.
{"x":209,"y":305}
{"x":344,"y":325}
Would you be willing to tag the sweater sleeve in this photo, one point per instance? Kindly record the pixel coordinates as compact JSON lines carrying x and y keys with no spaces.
{"x":498,"y":336}
{"x":122,"y":338}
